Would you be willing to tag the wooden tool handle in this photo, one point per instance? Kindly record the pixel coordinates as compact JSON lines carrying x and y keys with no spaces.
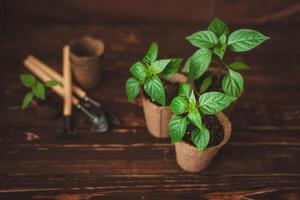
{"x":67,"y":81}
{"x":44,"y":77}
{"x":53,"y":74}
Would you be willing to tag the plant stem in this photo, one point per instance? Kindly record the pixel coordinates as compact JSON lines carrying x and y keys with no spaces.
{"x":218,"y":71}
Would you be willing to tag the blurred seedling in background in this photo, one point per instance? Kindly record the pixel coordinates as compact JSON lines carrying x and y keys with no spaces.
{"x":37,"y":88}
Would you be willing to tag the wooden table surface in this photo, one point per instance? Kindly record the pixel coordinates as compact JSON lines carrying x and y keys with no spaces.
{"x":261,"y":161}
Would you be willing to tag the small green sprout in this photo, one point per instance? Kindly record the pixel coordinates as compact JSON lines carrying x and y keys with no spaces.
{"x":37,"y":88}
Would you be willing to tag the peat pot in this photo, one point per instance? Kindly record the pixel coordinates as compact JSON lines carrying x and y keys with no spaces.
{"x":190,"y":159}
{"x":157,"y":117}
{"x":85,"y":56}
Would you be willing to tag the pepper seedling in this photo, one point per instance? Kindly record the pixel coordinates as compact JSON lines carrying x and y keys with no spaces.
{"x":147,"y":75}
{"x":37,"y":88}
{"x":214,"y":42}
{"x":187,"y":110}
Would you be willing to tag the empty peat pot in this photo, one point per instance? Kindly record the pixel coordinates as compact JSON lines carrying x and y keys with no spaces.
{"x":85,"y":56}
{"x":190,"y":159}
{"x":158,"y":117}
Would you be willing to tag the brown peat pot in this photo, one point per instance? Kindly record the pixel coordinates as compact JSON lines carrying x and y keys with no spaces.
{"x":190,"y":159}
{"x":85,"y":56}
{"x":158,"y":117}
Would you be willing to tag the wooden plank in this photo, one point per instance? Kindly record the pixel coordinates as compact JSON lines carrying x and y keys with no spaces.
{"x":142,"y":158}
{"x":125,"y":135}
{"x":253,"y":109}
{"x":133,"y":41}
{"x":173,"y":186}
{"x":261,"y":193}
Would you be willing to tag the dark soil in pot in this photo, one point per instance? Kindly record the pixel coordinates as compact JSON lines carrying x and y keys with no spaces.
{"x":171,"y":90}
{"x":215,"y":130}
{"x":215,"y":86}
{"x":49,"y":108}
{"x":216,"y":82}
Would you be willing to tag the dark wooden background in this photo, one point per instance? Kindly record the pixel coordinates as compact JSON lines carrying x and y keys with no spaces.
{"x":261,"y":161}
{"x":149,"y":12}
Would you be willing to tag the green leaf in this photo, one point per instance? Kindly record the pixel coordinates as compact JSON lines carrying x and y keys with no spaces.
{"x":239,"y":66}
{"x":172,"y":67}
{"x":218,"y":27}
{"x":200,"y":137}
{"x":245,"y":40}
{"x":52,"y":83}
{"x":138,"y":70}
{"x":160,"y":65}
{"x":177,"y":128}
{"x":27,"y":99}
{"x":192,"y":99}
{"x":221,"y":48}
{"x":27,"y":80}
{"x":151,"y":55}
{"x":214,"y":102}
{"x":233,"y":83}
{"x":187,"y":65}
{"x":132,"y":88}
{"x":205,"y":84}
{"x":179,"y":105}
{"x":38,"y":90}
{"x":203,"y":39}
{"x":154,"y":88}
{"x":199,"y":63}
{"x":184,"y":90}
{"x":195,"y":117}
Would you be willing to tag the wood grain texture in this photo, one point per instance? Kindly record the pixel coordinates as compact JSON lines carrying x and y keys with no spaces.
{"x":261,"y":161}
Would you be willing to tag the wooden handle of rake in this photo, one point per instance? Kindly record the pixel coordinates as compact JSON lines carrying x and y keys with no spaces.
{"x":45,"y":77}
{"x":53,"y":74}
{"x":67,"y":81}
